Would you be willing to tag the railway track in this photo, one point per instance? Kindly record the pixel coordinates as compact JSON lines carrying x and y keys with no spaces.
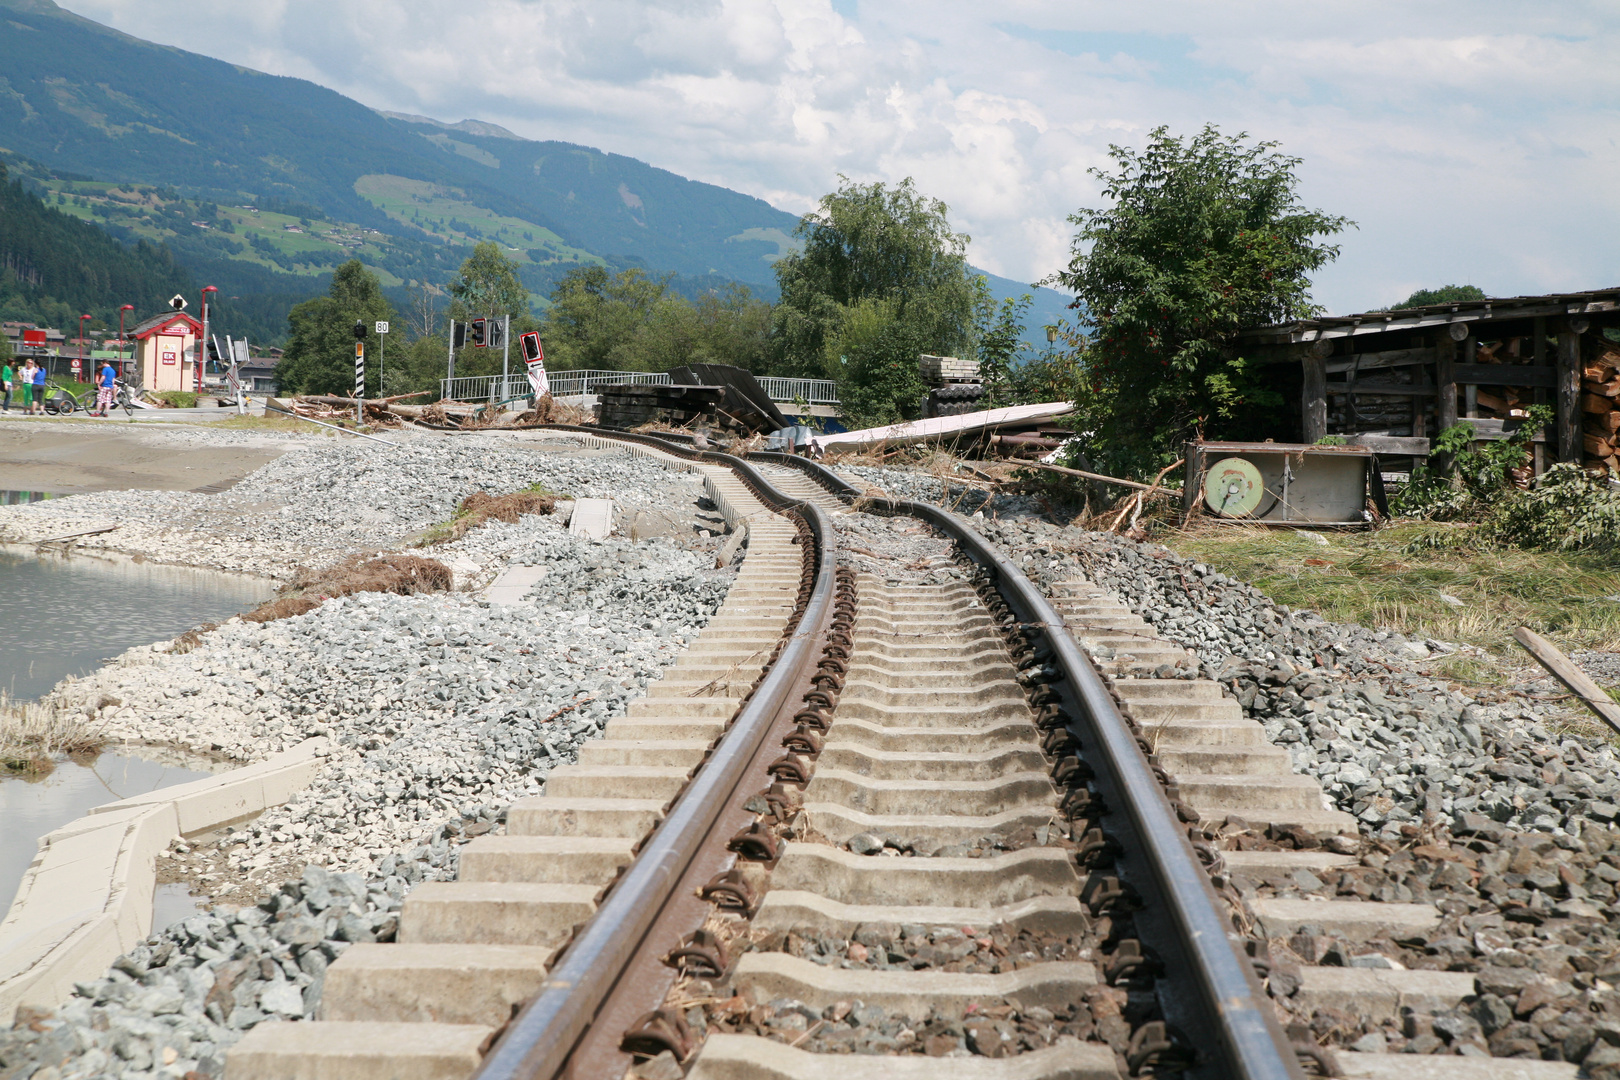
{"x":876,"y":823}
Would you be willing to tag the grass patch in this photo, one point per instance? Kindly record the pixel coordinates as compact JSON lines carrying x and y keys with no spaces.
{"x":33,"y":736}
{"x":176,"y":399}
{"x":1397,"y":579}
{"x":403,"y":575}
{"x":271,"y":422}
{"x":481,"y":506}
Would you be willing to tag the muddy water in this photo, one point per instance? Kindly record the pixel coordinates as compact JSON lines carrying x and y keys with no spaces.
{"x":31,"y":808}
{"x":66,"y":616}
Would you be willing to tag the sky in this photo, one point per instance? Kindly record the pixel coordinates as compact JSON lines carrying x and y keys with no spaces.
{"x":1472,"y":142}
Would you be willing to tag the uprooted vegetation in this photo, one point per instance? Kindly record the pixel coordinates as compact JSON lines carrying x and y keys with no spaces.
{"x":403,"y":575}
{"x":33,"y":736}
{"x":481,"y":507}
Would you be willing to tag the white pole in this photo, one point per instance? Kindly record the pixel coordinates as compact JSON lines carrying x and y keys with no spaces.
{"x":450,"y":369}
{"x":506,"y":352}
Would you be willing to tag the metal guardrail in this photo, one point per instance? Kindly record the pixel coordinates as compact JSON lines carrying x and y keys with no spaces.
{"x":783,"y":391}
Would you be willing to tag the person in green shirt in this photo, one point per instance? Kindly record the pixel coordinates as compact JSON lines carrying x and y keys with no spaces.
{"x":6,"y":376}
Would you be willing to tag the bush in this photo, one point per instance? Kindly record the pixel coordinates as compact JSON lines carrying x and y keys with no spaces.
{"x":1459,"y":482}
{"x":1567,"y":511}
{"x":176,"y":399}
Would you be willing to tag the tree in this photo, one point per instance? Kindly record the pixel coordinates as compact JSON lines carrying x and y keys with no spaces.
{"x":1445,"y":294}
{"x":6,"y":351}
{"x":1205,"y":236}
{"x":320,"y":348}
{"x":597,"y":319}
{"x":999,"y":332}
{"x":487,"y":286}
{"x":870,"y":253}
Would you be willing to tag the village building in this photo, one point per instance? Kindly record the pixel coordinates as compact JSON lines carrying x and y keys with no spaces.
{"x":167,"y":351}
{"x":1392,"y":380}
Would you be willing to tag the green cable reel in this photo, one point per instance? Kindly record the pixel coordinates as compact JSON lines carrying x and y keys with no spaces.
{"x":1233,"y":488}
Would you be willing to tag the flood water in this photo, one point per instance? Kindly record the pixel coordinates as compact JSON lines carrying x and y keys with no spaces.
{"x":66,"y":616}
{"x":31,"y":808}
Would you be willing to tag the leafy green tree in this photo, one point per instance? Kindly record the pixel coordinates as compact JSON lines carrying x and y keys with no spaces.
{"x":999,"y":331}
{"x":320,"y":348}
{"x":1205,"y":235}
{"x":869,"y":253}
{"x":6,"y":351}
{"x":1445,"y":294}
{"x":597,"y":319}
{"x":487,"y":286}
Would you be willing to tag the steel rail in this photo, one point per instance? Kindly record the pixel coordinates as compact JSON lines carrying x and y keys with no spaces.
{"x":1227,"y":1018}
{"x":540,"y":1039}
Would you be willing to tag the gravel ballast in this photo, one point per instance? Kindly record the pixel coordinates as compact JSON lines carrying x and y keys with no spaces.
{"x":440,"y":709}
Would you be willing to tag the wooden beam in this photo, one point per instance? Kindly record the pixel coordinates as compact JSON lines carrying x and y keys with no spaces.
{"x":1563,"y":669}
{"x":1538,"y":358}
{"x":1313,"y":397}
{"x":1390,"y":358}
{"x":1375,"y":390}
{"x":1567,"y":394}
{"x":1445,"y":359}
{"x":1504,"y":375}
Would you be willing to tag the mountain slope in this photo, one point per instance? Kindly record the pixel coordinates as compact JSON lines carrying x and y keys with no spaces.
{"x":54,"y":268}
{"x":87,"y":99}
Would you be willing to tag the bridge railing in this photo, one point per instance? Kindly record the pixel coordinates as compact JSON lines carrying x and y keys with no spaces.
{"x":783,"y":391}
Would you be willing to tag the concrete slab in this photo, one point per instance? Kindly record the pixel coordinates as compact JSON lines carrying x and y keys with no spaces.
{"x":278,"y":1050}
{"x":762,"y":977}
{"x":748,"y":1057}
{"x":1356,"y":1066}
{"x":592,"y":518}
{"x":514,"y":584}
{"x":433,"y":984}
{"x":1354,"y":920}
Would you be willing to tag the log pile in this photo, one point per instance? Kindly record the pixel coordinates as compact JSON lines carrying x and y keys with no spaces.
{"x":1504,"y":402}
{"x":1600,"y":411}
{"x":391,"y":412}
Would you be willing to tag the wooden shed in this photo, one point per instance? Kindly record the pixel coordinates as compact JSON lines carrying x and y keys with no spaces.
{"x":1392,"y":380}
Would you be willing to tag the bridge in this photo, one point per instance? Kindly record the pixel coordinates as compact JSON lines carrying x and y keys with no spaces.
{"x":804,"y":397}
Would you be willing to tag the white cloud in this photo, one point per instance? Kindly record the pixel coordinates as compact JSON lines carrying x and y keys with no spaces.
{"x":1472,"y":141}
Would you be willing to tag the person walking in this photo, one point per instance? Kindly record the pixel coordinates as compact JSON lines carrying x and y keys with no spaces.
{"x":7,"y":377}
{"x":26,"y":377}
{"x":106,"y":385}
{"x":39,"y":389}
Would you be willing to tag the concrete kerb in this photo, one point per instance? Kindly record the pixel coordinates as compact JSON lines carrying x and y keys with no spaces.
{"x":87,"y":897}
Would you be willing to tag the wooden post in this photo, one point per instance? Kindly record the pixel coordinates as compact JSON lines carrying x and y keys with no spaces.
{"x":1567,"y":393}
{"x":1445,"y":358}
{"x":1563,"y":669}
{"x":1538,"y":357}
{"x":1313,"y":391}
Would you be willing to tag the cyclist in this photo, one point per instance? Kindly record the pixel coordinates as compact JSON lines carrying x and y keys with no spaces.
{"x":106,"y":389}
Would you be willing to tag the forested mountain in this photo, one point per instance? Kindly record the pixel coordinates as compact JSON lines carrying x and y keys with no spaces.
{"x":54,"y":268}
{"x":263,"y":184}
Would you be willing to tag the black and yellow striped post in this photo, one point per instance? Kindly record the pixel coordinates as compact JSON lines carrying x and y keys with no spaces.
{"x":359,"y":371}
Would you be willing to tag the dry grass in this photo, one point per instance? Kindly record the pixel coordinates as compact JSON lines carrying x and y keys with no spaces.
{"x":33,"y":736}
{"x":271,"y":422}
{"x":403,"y":575}
{"x":1388,"y":579}
{"x":480,"y":507}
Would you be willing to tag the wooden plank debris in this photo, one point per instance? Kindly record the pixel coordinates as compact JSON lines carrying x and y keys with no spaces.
{"x":1564,"y":670}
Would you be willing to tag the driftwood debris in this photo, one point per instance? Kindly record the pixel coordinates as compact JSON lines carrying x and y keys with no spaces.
{"x":1564,"y":670}
{"x":1088,"y":475}
{"x":77,"y":535}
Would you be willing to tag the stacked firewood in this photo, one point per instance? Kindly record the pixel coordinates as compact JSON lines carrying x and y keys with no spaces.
{"x":1600,"y":408}
{"x":1503,"y":402}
